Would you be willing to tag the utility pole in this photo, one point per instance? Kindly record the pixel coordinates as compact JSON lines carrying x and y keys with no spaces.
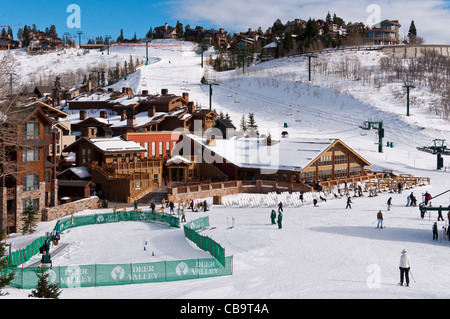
{"x":107,"y":37}
{"x":375,"y":126}
{"x":310,"y":55}
{"x":79,"y":37}
{"x":408,"y":85}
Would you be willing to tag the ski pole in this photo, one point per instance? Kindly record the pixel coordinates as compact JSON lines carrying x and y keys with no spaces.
{"x":412,"y":275}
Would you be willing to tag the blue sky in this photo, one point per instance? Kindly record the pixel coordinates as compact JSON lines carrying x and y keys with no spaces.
{"x":99,"y":18}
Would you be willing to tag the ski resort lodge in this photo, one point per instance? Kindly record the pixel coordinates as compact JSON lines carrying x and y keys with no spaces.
{"x":264,"y":158}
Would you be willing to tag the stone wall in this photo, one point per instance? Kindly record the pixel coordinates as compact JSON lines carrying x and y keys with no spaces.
{"x":414,"y":51}
{"x":52,"y":213}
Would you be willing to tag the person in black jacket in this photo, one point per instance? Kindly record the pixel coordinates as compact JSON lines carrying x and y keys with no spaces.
{"x":349,"y":202}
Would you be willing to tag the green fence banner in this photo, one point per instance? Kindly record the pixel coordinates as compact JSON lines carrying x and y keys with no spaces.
{"x":124,"y":274}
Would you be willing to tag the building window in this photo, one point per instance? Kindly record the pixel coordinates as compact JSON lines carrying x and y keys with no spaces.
{"x":308,"y":176}
{"x":340,"y":159}
{"x":146,"y":148}
{"x":168,"y":148}
{"x":31,"y":202}
{"x":153,"y":148}
{"x":30,"y":182}
{"x":30,"y":155}
{"x":47,"y":176}
{"x":340,"y":172}
{"x":355,"y":171}
{"x":31,"y":131}
{"x":325,"y":174}
{"x":160,"y":151}
{"x":325,"y":160}
{"x":114,"y":158}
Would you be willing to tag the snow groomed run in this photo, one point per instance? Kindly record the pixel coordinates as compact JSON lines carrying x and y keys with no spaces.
{"x":78,"y":276}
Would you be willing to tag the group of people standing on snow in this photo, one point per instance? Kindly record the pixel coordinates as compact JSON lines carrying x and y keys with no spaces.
{"x":273,"y":216}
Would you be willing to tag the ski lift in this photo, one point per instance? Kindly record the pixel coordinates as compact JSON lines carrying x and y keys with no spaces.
{"x":230,"y":94}
{"x":236,"y":99}
{"x":363,"y":133}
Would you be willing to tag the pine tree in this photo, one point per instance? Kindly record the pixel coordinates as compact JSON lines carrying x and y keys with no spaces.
{"x":243,"y":124}
{"x":44,"y":289}
{"x":120,"y":38}
{"x":412,"y":33}
{"x":5,"y":276}
{"x":29,"y":219}
{"x":251,"y":121}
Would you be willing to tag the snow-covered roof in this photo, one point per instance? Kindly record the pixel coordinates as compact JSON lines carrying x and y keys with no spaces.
{"x":80,"y":171}
{"x":178,"y":159}
{"x":250,"y":152}
{"x":116,"y":144}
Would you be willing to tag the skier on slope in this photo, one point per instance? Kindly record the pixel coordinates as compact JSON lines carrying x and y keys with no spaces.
{"x":404,"y":267}
{"x":380,"y":220}
{"x":389,"y":203}
{"x":349,"y":202}
{"x":280,"y":207}
{"x":280,"y":218}
{"x":435,"y":231}
{"x":273,"y":216}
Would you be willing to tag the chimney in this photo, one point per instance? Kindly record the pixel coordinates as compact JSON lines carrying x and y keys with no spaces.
{"x":123,"y":115}
{"x":110,"y":90}
{"x":186,"y":96}
{"x":104,"y":114}
{"x":83,"y":115}
{"x":164,"y":91}
{"x":144,"y":92}
{"x":131,"y":120}
{"x":152,"y":111}
{"x":191,"y":107}
{"x":127,"y":91}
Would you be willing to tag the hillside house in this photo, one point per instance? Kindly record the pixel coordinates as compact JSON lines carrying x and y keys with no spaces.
{"x":208,"y":37}
{"x":7,"y":43}
{"x":387,"y":33}
{"x":42,"y":42}
{"x":165,"y":32}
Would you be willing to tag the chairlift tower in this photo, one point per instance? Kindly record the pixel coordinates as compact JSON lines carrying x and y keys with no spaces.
{"x":368,"y":125}
{"x":439,"y":148}
{"x":210,"y":83}
{"x":310,"y":55}
{"x":408,"y":85}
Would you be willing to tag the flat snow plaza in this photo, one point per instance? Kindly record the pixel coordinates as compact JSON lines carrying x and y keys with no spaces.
{"x":324,"y":251}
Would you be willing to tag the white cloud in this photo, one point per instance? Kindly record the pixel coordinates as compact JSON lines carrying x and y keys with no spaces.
{"x":430,"y":17}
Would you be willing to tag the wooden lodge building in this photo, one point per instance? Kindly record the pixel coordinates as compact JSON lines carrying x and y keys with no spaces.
{"x":286,"y":160}
{"x":28,"y":163}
